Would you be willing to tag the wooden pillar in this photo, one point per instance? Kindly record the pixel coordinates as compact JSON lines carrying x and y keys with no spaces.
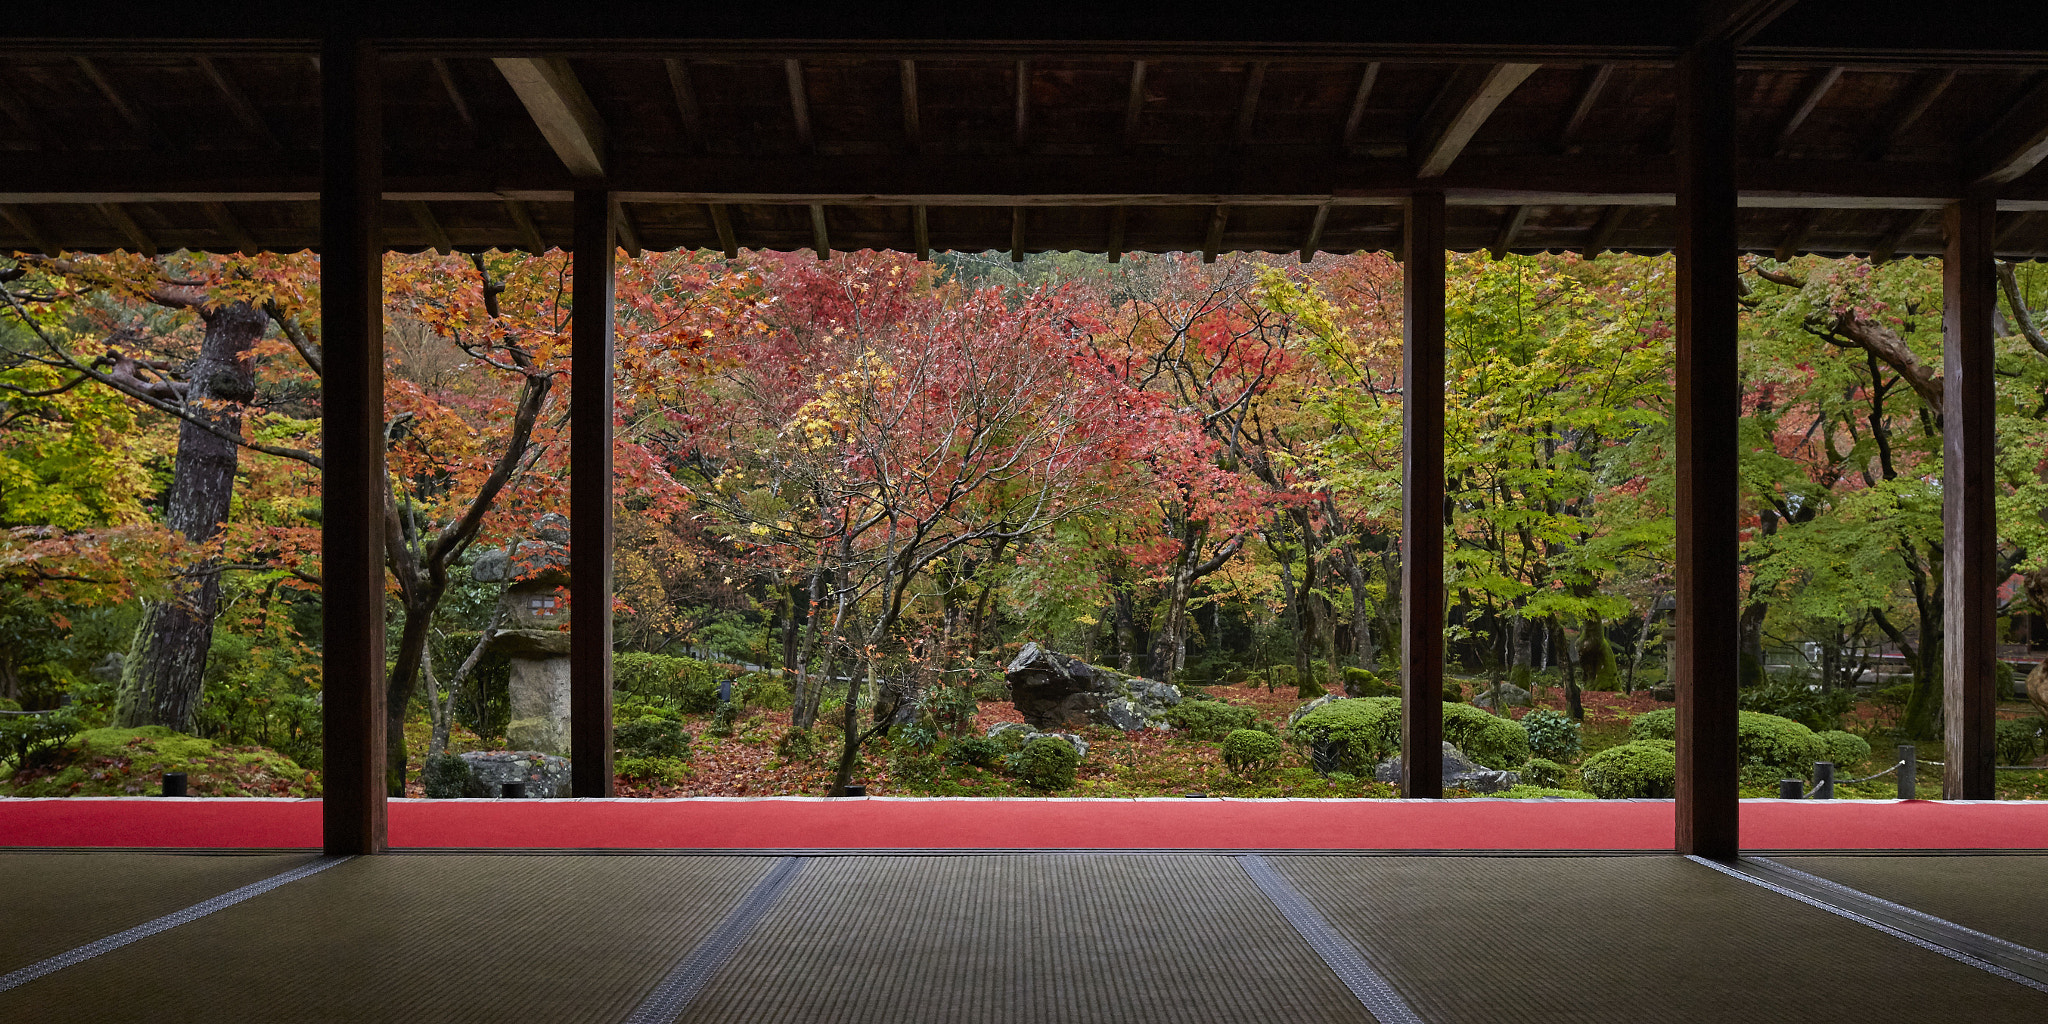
{"x":352,"y":426}
{"x":590,"y":499}
{"x":1969,"y":502}
{"x":1708,"y":403}
{"x":1422,"y":499}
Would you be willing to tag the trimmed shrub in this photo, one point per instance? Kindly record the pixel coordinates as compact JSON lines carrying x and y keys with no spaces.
{"x":1760,"y":739}
{"x":1541,"y":792}
{"x":1350,"y":735}
{"x":1551,"y":734}
{"x":1363,"y":683}
{"x":651,"y":736}
{"x":2018,"y":740}
{"x":1845,"y":749}
{"x":1453,"y":693}
{"x":1641,"y":768}
{"x":1799,"y":701}
{"x":686,"y":684}
{"x":1047,"y":763}
{"x":665,"y":771}
{"x":976,"y":752}
{"x":760,"y":690}
{"x":1209,"y":719}
{"x":1495,"y":742}
{"x":1250,"y":754}
{"x":445,"y":776}
{"x":1544,"y":773}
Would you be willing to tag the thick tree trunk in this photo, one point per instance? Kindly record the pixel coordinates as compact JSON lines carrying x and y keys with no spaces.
{"x":167,"y":667}
{"x":405,"y":677}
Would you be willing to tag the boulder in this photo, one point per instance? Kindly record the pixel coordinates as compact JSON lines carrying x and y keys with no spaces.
{"x":1015,"y":735}
{"x":1510,"y":696}
{"x":546,"y":776}
{"x":1055,"y":690}
{"x":1295,"y":715}
{"x":1460,"y":772}
{"x":1666,"y":693}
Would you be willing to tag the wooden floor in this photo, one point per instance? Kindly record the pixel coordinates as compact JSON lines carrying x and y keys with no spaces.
{"x":1024,"y":937}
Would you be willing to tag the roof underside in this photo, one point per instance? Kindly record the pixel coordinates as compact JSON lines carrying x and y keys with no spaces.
{"x":1107,"y":143}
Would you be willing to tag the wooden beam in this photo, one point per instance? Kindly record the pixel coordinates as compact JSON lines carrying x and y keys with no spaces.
{"x":590,"y":494}
{"x":114,"y":98}
{"x":1904,"y":223}
{"x":921,"y":232}
{"x":1510,"y":226}
{"x":1134,"y":106}
{"x":1912,"y":105}
{"x":1807,"y":102}
{"x":821,"y":240}
{"x":1314,"y":241}
{"x":1016,"y":234}
{"x":1422,"y":498}
{"x":528,"y":231}
{"x":139,"y":241}
{"x":1969,"y":489}
{"x":1443,"y":143}
{"x":1023,"y":103}
{"x":1213,"y":241}
{"x":1590,"y":87}
{"x":352,"y":482}
{"x":800,"y":104}
{"x":230,"y":227}
{"x":455,"y":97}
{"x":1795,"y":236}
{"x":721,"y":222}
{"x":25,"y":225}
{"x":1117,"y":216}
{"x":913,"y":122}
{"x":628,"y":235}
{"x":687,"y":112}
{"x":2011,"y":228}
{"x":238,"y":104}
{"x":2017,"y":143}
{"x":1603,"y":231}
{"x":1736,"y":22}
{"x":1359,"y":97}
{"x":1248,"y":101}
{"x":423,"y":217}
{"x":561,"y":110}
{"x":1708,"y":402}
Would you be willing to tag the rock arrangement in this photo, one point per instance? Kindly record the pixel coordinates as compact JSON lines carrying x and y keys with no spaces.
{"x":1511,"y":696}
{"x":1055,"y":690}
{"x":546,"y":776}
{"x":1460,"y":772}
{"x":1015,"y":735}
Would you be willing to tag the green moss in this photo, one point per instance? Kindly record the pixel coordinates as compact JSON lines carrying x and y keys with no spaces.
{"x":132,"y":762}
{"x":1363,"y":683}
{"x":685,"y":684}
{"x":1539,"y":792}
{"x":1640,"y":768}
{"x":651,"y":736}
{"x":665,"y":771}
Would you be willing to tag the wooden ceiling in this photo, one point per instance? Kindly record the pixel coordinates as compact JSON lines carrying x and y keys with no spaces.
{"x":979,"y":134}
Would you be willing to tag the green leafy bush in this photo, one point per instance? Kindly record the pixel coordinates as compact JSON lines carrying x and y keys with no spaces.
{"x":911,"y":767}
{"x":1453,"y":693}
{"x":651,"y":736}
{"x":1640,"y":768}
{"x":976,"y":752}
{"x":723,"y":718}
{"x":798,"y":745}
{"x":28,"y":740}
{"x":1209,"y":719}
{"x":1350,"y":736}
{"x":761,"y":690}
{"x":1489,"y":739}
{"x":1760,"y":739}
{"x":1551,"y":734}
{"x":991,"y":687}
{"x":2018,"y":740}
{"x":1845,"y":749}
{"x":1799,"y":701}
{"x":445,"y":776}
{"x":1280,"y":677}
{"x":1363,"y":683}
{"x":947,"y":710}
{"x":1047,"y":763}
{"x":686,"y":684}
{"x":131,"y":762}
{"x":666,"y":771}
{"x":1543,"y":772}
{"x":1251,"y":754}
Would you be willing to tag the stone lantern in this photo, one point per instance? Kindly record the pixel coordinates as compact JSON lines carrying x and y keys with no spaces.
{"x":534,"y":633}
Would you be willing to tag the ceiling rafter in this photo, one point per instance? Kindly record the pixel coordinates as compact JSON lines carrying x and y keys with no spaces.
{"x":456,"y":100}
{"x":913,"y":120}
{"x":522,"y":219}
{"x":561,"y":110}
{"x":1134,"y":106}
{"x":800,"y":104}
{"x":1590,"y":88}
{"x":1314,"y":241}
{"x":1912,"y":105}
{"x":1248,"y":101}
{"x":1118,"y":215}
{"x":821,"y":240}
{"x":1603,"y":231}
{"x":628,"y":232}
{"x":238,"y":103}
{"x":685,"y":93}
{"x":921,"y":232}
{"x":430,"y":226}
{"x":2017,"y":142}
{"x":26,"y":226}
{"x":1016,"y":234}
{"x":1366,"y":80}
{"x":1218,"y":218}
{"x":1510,"y":226}
{"x":118,"y":216}
{"x":1804,"y":109}
{"x":1473,"y":103}
{"x":721,"y":225}
{"x":1796,"y":234}
{"x":128,"y":111}
{"x":1023,"y":103}
{"x":230,"y":227}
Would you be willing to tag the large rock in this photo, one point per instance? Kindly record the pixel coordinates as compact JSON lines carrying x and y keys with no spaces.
{"x":1510,"y":696}
{"x":546,"y":776}
{"x":1055,"y":690}
{"x":1014,"y":736}
{"x":1460,"y":772}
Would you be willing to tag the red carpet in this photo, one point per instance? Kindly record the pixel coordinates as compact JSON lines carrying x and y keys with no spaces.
{"x":879,"y":823}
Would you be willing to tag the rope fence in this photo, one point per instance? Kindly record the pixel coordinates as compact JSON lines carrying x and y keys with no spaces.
{"x":1824,"y":781}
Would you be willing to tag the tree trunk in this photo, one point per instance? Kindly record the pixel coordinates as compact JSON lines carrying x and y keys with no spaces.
{"x":167,"y":665}
{"x":405,"y":671}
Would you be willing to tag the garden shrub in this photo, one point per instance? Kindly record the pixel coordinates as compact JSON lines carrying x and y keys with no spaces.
{"x":916,"y":768}
{"x":947,"y":710}
{"x":1489,"y":739}
{"x":976,"y":752}
{"x":761,"y":690}
{"x":1250,"y":754}
{"x":800,"y":745}
{"x":1350,"y":735}
{"x":1640,"y":768}
{"x":1551,"y":734}
{"x":1543,"y":772}
{"x":1526,"y":792}
{"x":1453,"y":693}
{"x":665,"y":771}
{"x":29,"y":740}
{"x":686,"y":684}
{"x":1047,"y":763}
{"x":1209,"y":719}
{"x":651,"y":736}
{"x":722,"y":719}
{"x":1760,"y":739}
{"x":1799,"y":701}
{"x":991,"y":687}
{"x":1280,"y":677}
{"x":1845,"y":749}
{"x":445,"y":776}
{"x":2018,"y":740}
{"x":1361,"y":682}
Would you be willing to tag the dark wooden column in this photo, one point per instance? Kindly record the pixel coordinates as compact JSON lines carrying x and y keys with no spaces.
{"x":352,"y":428}
{"x":1422,"y":499}
{"x":1708,"y":495}
{"x":590,"y":499}
{"x":1969,"y":502}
